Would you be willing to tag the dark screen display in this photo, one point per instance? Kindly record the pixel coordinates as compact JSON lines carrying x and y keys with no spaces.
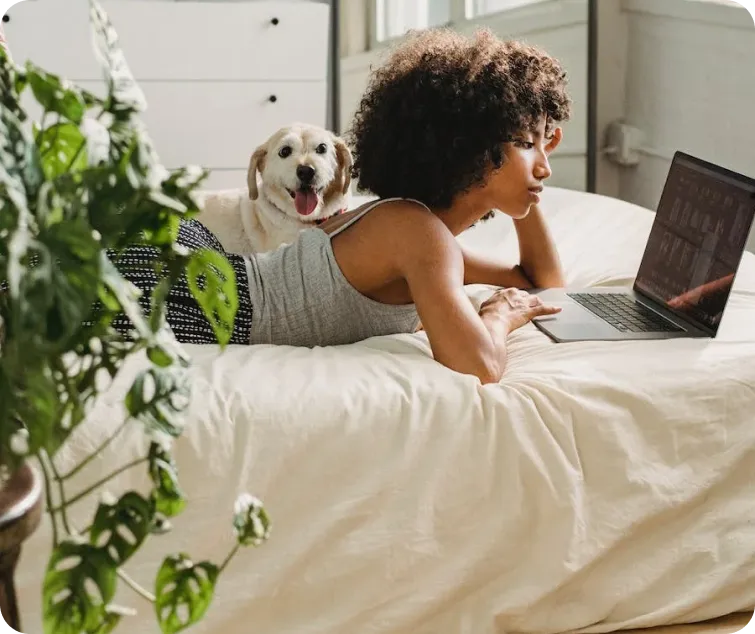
{"x":697,"y":240}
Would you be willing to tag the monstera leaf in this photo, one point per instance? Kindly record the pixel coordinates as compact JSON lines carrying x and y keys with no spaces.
{"x":79,"y":584}
{"x":119,"y":529}
{"x":184,"y":591}
{"x":77,"y":188}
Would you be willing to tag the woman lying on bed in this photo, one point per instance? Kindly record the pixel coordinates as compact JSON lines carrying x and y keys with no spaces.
{"x":449,"y":128}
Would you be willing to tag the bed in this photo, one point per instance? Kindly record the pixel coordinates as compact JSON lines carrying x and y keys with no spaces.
{"x":598,"y":487}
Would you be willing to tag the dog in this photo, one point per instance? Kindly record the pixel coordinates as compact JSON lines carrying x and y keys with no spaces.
{"x":297,"y":179}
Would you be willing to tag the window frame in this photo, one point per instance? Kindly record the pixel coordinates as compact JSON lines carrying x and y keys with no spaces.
{"x":457,"y":13}
{"x":461,"y":11}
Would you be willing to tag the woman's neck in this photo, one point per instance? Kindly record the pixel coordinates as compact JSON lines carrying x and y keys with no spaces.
{"x":466,"y":210}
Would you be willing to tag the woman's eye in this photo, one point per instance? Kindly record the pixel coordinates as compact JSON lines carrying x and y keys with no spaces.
{"x":527,"y":145}
{"x":284,"y":152}
{"x":322,"y":148}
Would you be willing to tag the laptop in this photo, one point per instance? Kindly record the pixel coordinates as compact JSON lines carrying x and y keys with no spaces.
{"x":685,"y":277}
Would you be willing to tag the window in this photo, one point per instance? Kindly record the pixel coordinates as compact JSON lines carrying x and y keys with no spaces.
{"x":393,"y":18}
{"x":475,"y":8}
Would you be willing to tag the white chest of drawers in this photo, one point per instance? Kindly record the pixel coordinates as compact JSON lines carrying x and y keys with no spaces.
{"x":219,"y":77}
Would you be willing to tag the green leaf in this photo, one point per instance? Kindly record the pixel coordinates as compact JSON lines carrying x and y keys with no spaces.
{"x":120,"y":529}
{"x":123,"y":89}
{"x":20,"y":168}
{"x":158,"y":397}
{"x":157,"y":317}
{"x":79,"y":583}
{"x":55,"y":95}
{"x":63,"y":148}
{"x":166,"y":494}
{"x":212,"y":282}
{"x":12,"y":84}
{"x":126,"y":294}
{"x":251,"y":523}
{"x":183,"y":592}
{"x":109,"y":622}
{"x":75,"y":277}
{"x":41,"y":409}
{"x":160,"y":525}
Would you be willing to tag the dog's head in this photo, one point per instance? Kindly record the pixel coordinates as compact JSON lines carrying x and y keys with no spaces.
{"x":305,"y":172}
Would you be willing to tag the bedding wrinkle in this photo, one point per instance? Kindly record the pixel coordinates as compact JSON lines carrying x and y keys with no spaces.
{"x":597,"y":487}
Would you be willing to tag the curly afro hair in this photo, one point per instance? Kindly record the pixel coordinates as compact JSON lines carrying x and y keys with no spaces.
{"x":434,"y":118}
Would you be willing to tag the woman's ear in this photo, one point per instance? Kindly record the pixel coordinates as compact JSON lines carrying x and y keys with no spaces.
{"x":256,"y":164}
{"x":558,"y":134}
{"x":345,"y":162}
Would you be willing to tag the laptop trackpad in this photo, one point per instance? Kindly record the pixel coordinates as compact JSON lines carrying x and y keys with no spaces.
{"x":574,"y":321}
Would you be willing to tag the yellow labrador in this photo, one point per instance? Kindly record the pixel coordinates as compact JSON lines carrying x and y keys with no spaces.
{"x":297,"y":179}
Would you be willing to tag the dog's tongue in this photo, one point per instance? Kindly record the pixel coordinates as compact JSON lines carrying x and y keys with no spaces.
{"x":305,"y":202}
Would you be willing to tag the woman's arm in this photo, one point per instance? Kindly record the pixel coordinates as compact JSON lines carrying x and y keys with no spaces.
{"x":460,"y":338}
{"x":537,"y":251}
{"x":540,"y":266}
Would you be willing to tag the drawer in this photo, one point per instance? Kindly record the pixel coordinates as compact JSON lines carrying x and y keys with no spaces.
{"x":163,"y":40}
{"x":218,"y":124}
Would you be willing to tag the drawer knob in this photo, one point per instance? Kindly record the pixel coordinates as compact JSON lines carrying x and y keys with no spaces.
{"x":275,"y":21}
{"x":272,"y":98}
{"x":6,"y":18}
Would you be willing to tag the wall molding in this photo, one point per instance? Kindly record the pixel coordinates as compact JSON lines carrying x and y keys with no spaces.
{"x":707,"y":11}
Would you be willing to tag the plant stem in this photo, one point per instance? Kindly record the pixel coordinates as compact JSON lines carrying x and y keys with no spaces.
{"x":98,"y":484}
{"x":96,"y":452}
{"x":136,"y":587}
{"x":41,"y":126}
{"x":48,"y":496}
{"x":61,"y":491}
{"x":230,"y":556}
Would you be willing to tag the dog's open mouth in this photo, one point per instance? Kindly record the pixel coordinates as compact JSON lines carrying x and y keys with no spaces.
{"x":306,"y":200}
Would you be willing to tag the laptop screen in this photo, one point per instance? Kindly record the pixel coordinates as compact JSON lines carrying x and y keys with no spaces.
{"x":697,"y":240}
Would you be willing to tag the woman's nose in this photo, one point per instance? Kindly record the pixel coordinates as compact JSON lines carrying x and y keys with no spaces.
{"x":543,"y":168}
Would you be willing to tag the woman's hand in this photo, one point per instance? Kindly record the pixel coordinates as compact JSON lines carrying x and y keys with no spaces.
{"x":515,"y":307}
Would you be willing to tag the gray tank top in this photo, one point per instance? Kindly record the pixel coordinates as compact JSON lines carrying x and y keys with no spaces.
{"x":300,"y":297}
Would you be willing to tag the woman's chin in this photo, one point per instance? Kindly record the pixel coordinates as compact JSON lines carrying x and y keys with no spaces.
{"x":519,"y":214}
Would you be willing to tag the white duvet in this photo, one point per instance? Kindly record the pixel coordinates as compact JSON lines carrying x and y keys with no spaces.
{"x":598,"y":486}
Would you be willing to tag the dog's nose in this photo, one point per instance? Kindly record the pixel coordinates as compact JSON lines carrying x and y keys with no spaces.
{"x":305,"y":173}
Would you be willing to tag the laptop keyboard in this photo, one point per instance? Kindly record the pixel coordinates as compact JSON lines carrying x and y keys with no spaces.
{"x":623,"y":312}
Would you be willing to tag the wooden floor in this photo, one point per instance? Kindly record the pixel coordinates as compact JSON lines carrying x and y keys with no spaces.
{"x":724,"y":625}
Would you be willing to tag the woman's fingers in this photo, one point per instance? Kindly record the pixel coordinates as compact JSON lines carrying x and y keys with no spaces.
{"x":545,"y":309}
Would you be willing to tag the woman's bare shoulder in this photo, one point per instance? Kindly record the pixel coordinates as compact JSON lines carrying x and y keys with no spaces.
{"x":415,"y":234}
{"x":387,"y":217}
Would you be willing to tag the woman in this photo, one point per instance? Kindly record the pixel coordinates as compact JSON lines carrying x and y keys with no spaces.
{"x":448,"y":129}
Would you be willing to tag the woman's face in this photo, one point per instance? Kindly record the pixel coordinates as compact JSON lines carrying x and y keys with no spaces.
{"x":515,"y":186}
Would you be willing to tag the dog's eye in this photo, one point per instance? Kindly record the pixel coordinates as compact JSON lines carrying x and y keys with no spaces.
{"x":284,"y":152}
{"x":321,"y":149}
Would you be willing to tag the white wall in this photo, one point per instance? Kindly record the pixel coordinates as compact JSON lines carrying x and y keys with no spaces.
{"x":207,"y":105}
{"x":689,"y":85}
{"x":680,"y":70}
{"x":559,"y":26}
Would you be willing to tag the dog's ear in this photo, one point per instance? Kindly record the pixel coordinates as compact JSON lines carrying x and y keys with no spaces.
{"x":256,"y":164}
{"x":345,"y":162}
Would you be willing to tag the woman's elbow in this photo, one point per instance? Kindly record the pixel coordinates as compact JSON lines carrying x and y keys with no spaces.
{"x":490,"y":372}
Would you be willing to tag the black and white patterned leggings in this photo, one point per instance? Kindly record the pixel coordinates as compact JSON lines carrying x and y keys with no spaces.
{"x":183,"y":313}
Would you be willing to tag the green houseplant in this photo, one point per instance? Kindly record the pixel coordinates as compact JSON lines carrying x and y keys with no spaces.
{"x":76,"y":188}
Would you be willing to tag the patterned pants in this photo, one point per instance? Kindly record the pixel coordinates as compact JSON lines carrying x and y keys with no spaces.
{"x":183,"y":313}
